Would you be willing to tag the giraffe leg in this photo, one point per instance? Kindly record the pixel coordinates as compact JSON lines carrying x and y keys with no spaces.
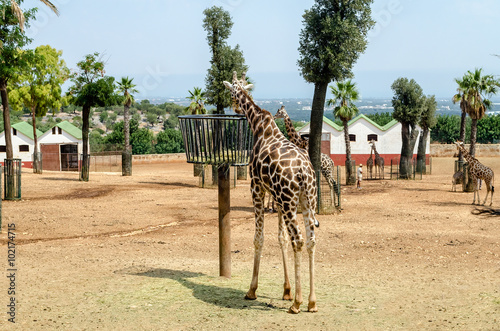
{"x":308,"y":215}
{"x":283,"y":241}
{"x":258,"y":201}
{"x":290,"y":216}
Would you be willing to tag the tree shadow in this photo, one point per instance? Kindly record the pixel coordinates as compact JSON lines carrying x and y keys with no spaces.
{"x":223,"y":297}
{"x":177,"y":184}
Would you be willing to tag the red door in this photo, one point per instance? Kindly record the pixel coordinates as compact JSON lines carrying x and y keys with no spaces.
{"x":50,"y":157}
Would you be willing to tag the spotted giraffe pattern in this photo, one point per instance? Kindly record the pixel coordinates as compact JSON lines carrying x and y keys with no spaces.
{"x":379,"y":161}
{"x":327,"y":165}
{"x":369,"y":164}
{"x":478,"y":171}
{"x":279,"y":167}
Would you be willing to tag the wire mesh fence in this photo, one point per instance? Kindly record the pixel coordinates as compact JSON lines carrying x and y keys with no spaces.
{"x":329,"y":192}
{"x":12,"y":179}
{"x":414,"y":169}
{"x":106,"y":161}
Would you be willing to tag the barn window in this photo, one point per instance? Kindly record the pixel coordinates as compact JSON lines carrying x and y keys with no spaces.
{"x":352,"y":137}
{"x":3,"y":148}
{"x":59,"y":130}
{"x":14,"y":132}
{"x":373,"y":137}
{"x":54,"y":130}
{"x":24,"y":148}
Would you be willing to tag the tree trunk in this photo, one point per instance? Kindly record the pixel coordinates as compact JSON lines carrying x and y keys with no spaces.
{"x":473,"y":137}
{"x":350,"y":177}
{"x":422,"y":143}
{"x":84,"y":175}
{"x":318,"y":108}
{"x":36,"y":162}
{"x":409,"y":137}
{"x":220,"y":109}
{"x":462,"y":129}
{"x":127,"y":153}
{"x":9,"y":181}
{"x":6,"y":119}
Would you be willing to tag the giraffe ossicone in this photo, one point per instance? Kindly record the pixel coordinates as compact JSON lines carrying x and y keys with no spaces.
{"x":279,"y":167}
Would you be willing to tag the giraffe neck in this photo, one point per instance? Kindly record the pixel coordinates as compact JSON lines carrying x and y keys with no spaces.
{"x":377,"y":155}
{"x":470,"y":159}
{"x":293,"y":135}
{"x":260,"y":120}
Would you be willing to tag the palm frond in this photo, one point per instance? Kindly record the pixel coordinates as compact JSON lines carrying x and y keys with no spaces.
{"x":51,"y":6}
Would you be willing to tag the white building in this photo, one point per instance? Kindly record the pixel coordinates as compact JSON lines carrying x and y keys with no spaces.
{"x":22,"y":143}
{"x":361,"y":130}
{"x":60,"y":147}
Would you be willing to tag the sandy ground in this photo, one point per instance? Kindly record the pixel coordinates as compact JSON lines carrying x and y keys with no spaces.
{"x":141,"y":253}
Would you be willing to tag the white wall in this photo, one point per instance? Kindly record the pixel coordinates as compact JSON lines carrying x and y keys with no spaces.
{"x":19,"y":139}
{"x":63,"y":138}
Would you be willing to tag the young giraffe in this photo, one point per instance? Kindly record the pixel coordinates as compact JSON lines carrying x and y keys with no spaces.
{"x":379,"y":161}
{"x":369,"y":164}
{"x":281,"y":168}
{"x":327,"y":165}
{"x":478,"y":171}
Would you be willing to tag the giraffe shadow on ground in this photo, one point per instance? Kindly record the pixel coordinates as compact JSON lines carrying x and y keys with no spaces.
{"x":224,"y":297}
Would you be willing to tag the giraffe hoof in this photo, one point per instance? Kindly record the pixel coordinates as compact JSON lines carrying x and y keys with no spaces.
{"x":287,"y":295}
{"x":293,"y":310}
{"x":312,"y":308}
{"x":249,"y":296}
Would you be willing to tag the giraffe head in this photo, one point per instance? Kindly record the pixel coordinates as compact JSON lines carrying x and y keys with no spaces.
{"x":372,"y":143}
{"x":236,"y":88}
{"x":460,"y":144}
{"x":281,"y":113}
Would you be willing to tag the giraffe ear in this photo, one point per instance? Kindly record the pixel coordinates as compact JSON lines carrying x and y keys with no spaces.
{"x":228,"y":85}
{"x":248,"y":87}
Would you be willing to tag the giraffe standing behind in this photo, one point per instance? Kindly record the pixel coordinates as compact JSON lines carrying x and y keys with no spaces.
{"x":379,"y":161}
{"x":327,"y":165}
{"x":369,"y":163}
{"x":478,"y":171}
{"x":284,"y":170}
{"x":458,"y":178}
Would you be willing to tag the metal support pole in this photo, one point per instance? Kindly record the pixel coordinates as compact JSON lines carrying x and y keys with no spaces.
{"x":224,"y":222}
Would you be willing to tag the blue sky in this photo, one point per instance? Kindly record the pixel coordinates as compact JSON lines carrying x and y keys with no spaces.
{"x":162,"y":44}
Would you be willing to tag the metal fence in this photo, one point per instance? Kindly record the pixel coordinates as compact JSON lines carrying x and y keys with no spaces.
{"x":106,"y":161}
{"x":329,"y":196}
{"x":416,"y":169}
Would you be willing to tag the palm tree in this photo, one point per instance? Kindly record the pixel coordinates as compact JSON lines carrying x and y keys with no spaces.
{"x":197,"y":105}
{"x":126,"y":87}
{"x":463,"y":86}
{"x":344,"y":96}
{"x":477,"y":103}
{"x":20,"y":15}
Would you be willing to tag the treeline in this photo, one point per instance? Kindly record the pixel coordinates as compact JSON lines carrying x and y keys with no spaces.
{"x":142,"y":140}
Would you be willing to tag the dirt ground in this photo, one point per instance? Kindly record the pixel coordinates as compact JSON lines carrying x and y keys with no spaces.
{"x":141,"y":253}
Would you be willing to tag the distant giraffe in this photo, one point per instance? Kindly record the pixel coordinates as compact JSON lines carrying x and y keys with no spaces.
{"x":369,"y":164}
{"x":379,"y":161}
{"x":327,"y":165}
{"x":478,"y":171}
{"x":281,"y":168}
{"x":458,"y":178}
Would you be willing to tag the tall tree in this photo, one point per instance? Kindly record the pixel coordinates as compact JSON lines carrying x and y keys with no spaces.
{"x":12,"y":39}
{"x":197,"y":105}
{"x":91,"y":89}
{"x":408,"y":102}
{"x":333,"y":37}
{"x":37,"y":86}
{"x":427,"y":121}
{"x":225,"y":59}
{"x":344,"y":96}
{"x":479,"y":89}
{"x":126,"y":87}
{"x":463,"y":86}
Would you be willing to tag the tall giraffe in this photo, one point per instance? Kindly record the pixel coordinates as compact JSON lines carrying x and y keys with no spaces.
{"x":478,"y":171}
{"x":379,"y":161}
{"x":369,"y":164}
{"x":284,"y":170}
{"x":327,"y":165}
